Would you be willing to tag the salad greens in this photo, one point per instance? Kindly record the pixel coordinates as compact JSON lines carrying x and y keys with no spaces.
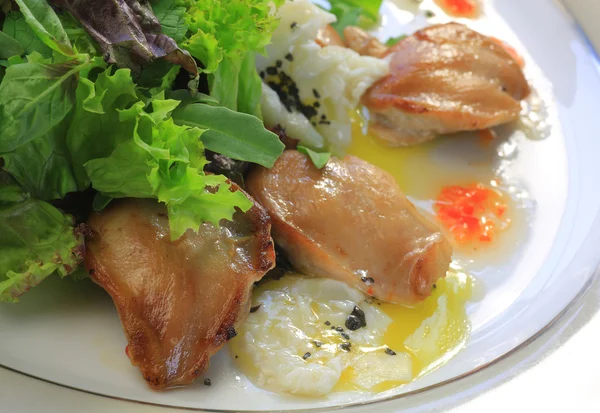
{"x":121,"y":104}
{"x":122,"y":98}
{"x":362,"y":13}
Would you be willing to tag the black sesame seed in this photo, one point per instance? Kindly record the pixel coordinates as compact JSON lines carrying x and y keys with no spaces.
{"x":236,"y":356}
{"x":345,"y":346}
{"x":434,"y":286}
{"x":255,"y":308}
{"x":278,"y":63}
{"x":327,"y":323}
{"x":317,"y":343}
{"x":324,"y":122}
{"x":333,"y":327}
{"x":293,"y":25}
{"x":317,"y":105}
{"x":390,"y":352}
{"x":316,"y":93}
{"x":429,"y":13}
{"x":345,"y":336}
{"x":306,"y":355}
{"x":289,"y":57}
{"x":339,"y":329}
{"x":262,"y":74}
{"x":271,"y":70}
{"x":207,"y":382}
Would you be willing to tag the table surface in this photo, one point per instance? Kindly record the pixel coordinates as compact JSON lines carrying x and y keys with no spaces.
{"x":560,"y":371}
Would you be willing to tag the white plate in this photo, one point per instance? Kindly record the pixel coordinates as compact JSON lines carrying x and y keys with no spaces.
{"x":69,"y":334}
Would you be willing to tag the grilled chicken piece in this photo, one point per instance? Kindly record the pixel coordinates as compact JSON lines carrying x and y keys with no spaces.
{"x":443,"y":79}
{"x":179,"y":301}
{"x":350,"y":221}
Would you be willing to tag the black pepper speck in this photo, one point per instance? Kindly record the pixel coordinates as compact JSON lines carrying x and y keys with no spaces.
{"x":317,"y":343}
{"x":316,"y":93}
{"x":271,"y":70}
{"x":345,"y":346}
{"x":207,"y":382}
{"x":231,"y":333}
{"x":306,"y":355}
{"x":339,"y":329}
{"x":327,"y":323}
{"x":356,"y":319}
{"x":293,"y":25}
{"x":346,"y":336}
{"x":390,"y":352}
{"x":289,"y":57}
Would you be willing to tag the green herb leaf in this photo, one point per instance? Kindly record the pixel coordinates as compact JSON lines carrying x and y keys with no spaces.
{"x":10,"y":47}
{"x":37,"y":240}
{"x":171,"y":15}
{"x":16,"y":27}
{"x":34,"y":98}
{"x":363,"y":13}
{"x":393,"y":40}
{"x":45,"y":23}
{"x":233,"y":134}
{"x":43,"y":166}
{"x":319,"y":159}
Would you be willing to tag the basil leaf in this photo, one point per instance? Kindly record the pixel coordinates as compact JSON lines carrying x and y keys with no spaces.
{"x":45,"y":23}
{"x":236,"y":135}
{"x":319,"y":159}
{"x":43,"y":166}
{"x":16,"y":27}
{"x":171,"y":15}
{"x":34,"y":98}
{"x":10,"y":47}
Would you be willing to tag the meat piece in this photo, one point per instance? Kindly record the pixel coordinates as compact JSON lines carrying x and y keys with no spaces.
{"x":350,"y":221}
{"x":179,"y":301}
{"x":329,"y":37}
{"x":443,"y":79}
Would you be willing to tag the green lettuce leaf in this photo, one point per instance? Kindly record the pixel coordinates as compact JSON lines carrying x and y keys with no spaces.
{"x":42,"y":19}
{"x":222,"y":35}
{"x":95,"y":129}
{"x":233,"y":134}
{"x":165,"y":161}
{"x":37,"y":241}
{"x":16,"y":27}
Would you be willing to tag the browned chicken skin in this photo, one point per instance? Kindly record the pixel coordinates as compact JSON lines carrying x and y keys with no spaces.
{"x":444,"y":79}
{"x":350,"y":221}
{"x":179,"y":301}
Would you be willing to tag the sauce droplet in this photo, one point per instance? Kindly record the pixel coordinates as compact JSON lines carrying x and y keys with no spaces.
{"x":471,"y":213}
{"x":460,"y":8}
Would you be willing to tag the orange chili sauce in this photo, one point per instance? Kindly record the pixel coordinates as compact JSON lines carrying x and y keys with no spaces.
{"x":472,"y":213}
{"x":460,"y":8}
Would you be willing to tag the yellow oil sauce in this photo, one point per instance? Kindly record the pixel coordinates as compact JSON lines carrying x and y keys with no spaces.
{"x":422,"y":336}
{"x":440,"y":339}
{"x":422,"y":171}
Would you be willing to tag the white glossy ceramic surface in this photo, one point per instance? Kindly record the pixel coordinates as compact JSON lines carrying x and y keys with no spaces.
{"x":70,"y":334}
